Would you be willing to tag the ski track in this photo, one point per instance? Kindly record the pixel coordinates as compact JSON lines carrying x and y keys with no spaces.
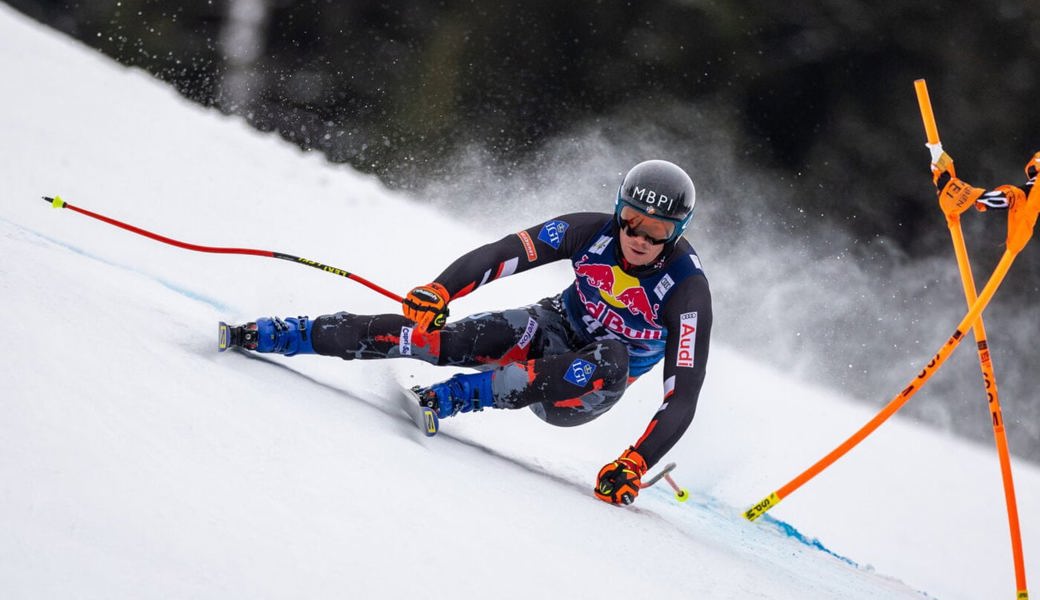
{"x":697,"y":501}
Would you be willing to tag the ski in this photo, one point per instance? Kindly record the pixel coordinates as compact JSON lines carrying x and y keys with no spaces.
{"x":423,"y":416}
{"x":223,"y":336}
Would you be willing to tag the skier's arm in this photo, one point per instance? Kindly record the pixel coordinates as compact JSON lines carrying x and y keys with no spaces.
{"x":553,"y":240}
{"x":688,"y":319}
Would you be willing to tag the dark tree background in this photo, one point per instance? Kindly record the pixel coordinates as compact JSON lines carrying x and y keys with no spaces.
{"x":815,"y":101}
{"x":819,"y":90}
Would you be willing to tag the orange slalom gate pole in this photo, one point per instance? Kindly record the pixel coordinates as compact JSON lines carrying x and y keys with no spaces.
{"x":896,"y":403}
{"x":985,"y":364}
{"x":1020,"y":230}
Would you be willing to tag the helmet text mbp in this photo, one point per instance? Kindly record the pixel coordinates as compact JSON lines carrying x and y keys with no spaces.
{"x":651,"y":197}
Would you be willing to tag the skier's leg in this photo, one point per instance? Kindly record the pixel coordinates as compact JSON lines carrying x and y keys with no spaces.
{"x":368,"y":337}
{"x":565,"y":389}
{"x":554,"y":390}
{"x":474,"y":341}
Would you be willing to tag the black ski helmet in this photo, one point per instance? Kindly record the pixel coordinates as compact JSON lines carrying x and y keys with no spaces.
{"x":660,"y":189}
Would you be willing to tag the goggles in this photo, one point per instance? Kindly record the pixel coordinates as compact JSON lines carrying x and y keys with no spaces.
{"x":636,"y":223}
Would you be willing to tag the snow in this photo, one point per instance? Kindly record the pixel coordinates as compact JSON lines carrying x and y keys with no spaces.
{"x":137,"y":462}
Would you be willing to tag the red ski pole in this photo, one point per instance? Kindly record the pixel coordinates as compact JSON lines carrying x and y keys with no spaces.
{"x":57,"y":202}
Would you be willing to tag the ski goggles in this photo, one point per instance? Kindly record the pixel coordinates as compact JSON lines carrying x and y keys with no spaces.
{"x":636,"y":223}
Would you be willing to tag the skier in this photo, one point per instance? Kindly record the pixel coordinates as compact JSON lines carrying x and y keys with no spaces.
{"x":639,"y":296}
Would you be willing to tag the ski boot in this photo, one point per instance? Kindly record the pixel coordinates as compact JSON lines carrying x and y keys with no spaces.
{"x":289,"y":337}
{"x":236,"y":336}
{"x":464,"y":393}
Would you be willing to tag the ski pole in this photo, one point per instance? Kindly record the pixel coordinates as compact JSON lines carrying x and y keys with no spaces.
{"x":1020,"y":230}
{"x":986,"y":365}
{"x":680,"y":493}
{"x":57,"y":202}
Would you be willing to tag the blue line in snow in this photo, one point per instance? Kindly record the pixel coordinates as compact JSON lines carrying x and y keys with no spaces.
{"x":199,"y":297}
{"x":712,"y":503}
{"x":793,"y":533}
{"x":217,"y":304}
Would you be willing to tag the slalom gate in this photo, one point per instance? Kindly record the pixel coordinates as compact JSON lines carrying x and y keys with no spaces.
{"x":954,"y":198}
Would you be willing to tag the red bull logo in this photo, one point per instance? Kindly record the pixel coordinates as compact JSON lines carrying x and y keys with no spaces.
{"x":638,"y":303}
{"x":598,"y":276}
{"x":619,"y":290}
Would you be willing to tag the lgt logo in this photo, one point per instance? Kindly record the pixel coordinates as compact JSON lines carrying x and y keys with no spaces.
{"x":580,"y":372}
{"x":552,"y":233}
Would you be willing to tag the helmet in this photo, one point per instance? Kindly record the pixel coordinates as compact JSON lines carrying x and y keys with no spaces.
{"x":661,"y":190}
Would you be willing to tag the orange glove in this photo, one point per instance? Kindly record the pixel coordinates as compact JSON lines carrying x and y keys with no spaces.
{"x":427,"y":305}
{"x":620,"y":481}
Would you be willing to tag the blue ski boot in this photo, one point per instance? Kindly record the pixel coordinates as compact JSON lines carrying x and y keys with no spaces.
{"x":464,"y":392}
{"x":289,"y":337}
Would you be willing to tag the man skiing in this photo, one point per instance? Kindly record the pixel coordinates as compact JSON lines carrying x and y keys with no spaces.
{"x":639,"y":296}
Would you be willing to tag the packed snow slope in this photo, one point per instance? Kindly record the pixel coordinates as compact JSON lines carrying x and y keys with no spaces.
{"x":137,"y":462}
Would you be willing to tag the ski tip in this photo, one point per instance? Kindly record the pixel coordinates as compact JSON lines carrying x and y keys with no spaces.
{"x":223,"y":336}
{"x":430,"y":422}
{"x":425,"y":417}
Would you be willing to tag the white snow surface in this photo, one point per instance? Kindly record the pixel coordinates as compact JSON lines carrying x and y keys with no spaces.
{"x":138,"y":462}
